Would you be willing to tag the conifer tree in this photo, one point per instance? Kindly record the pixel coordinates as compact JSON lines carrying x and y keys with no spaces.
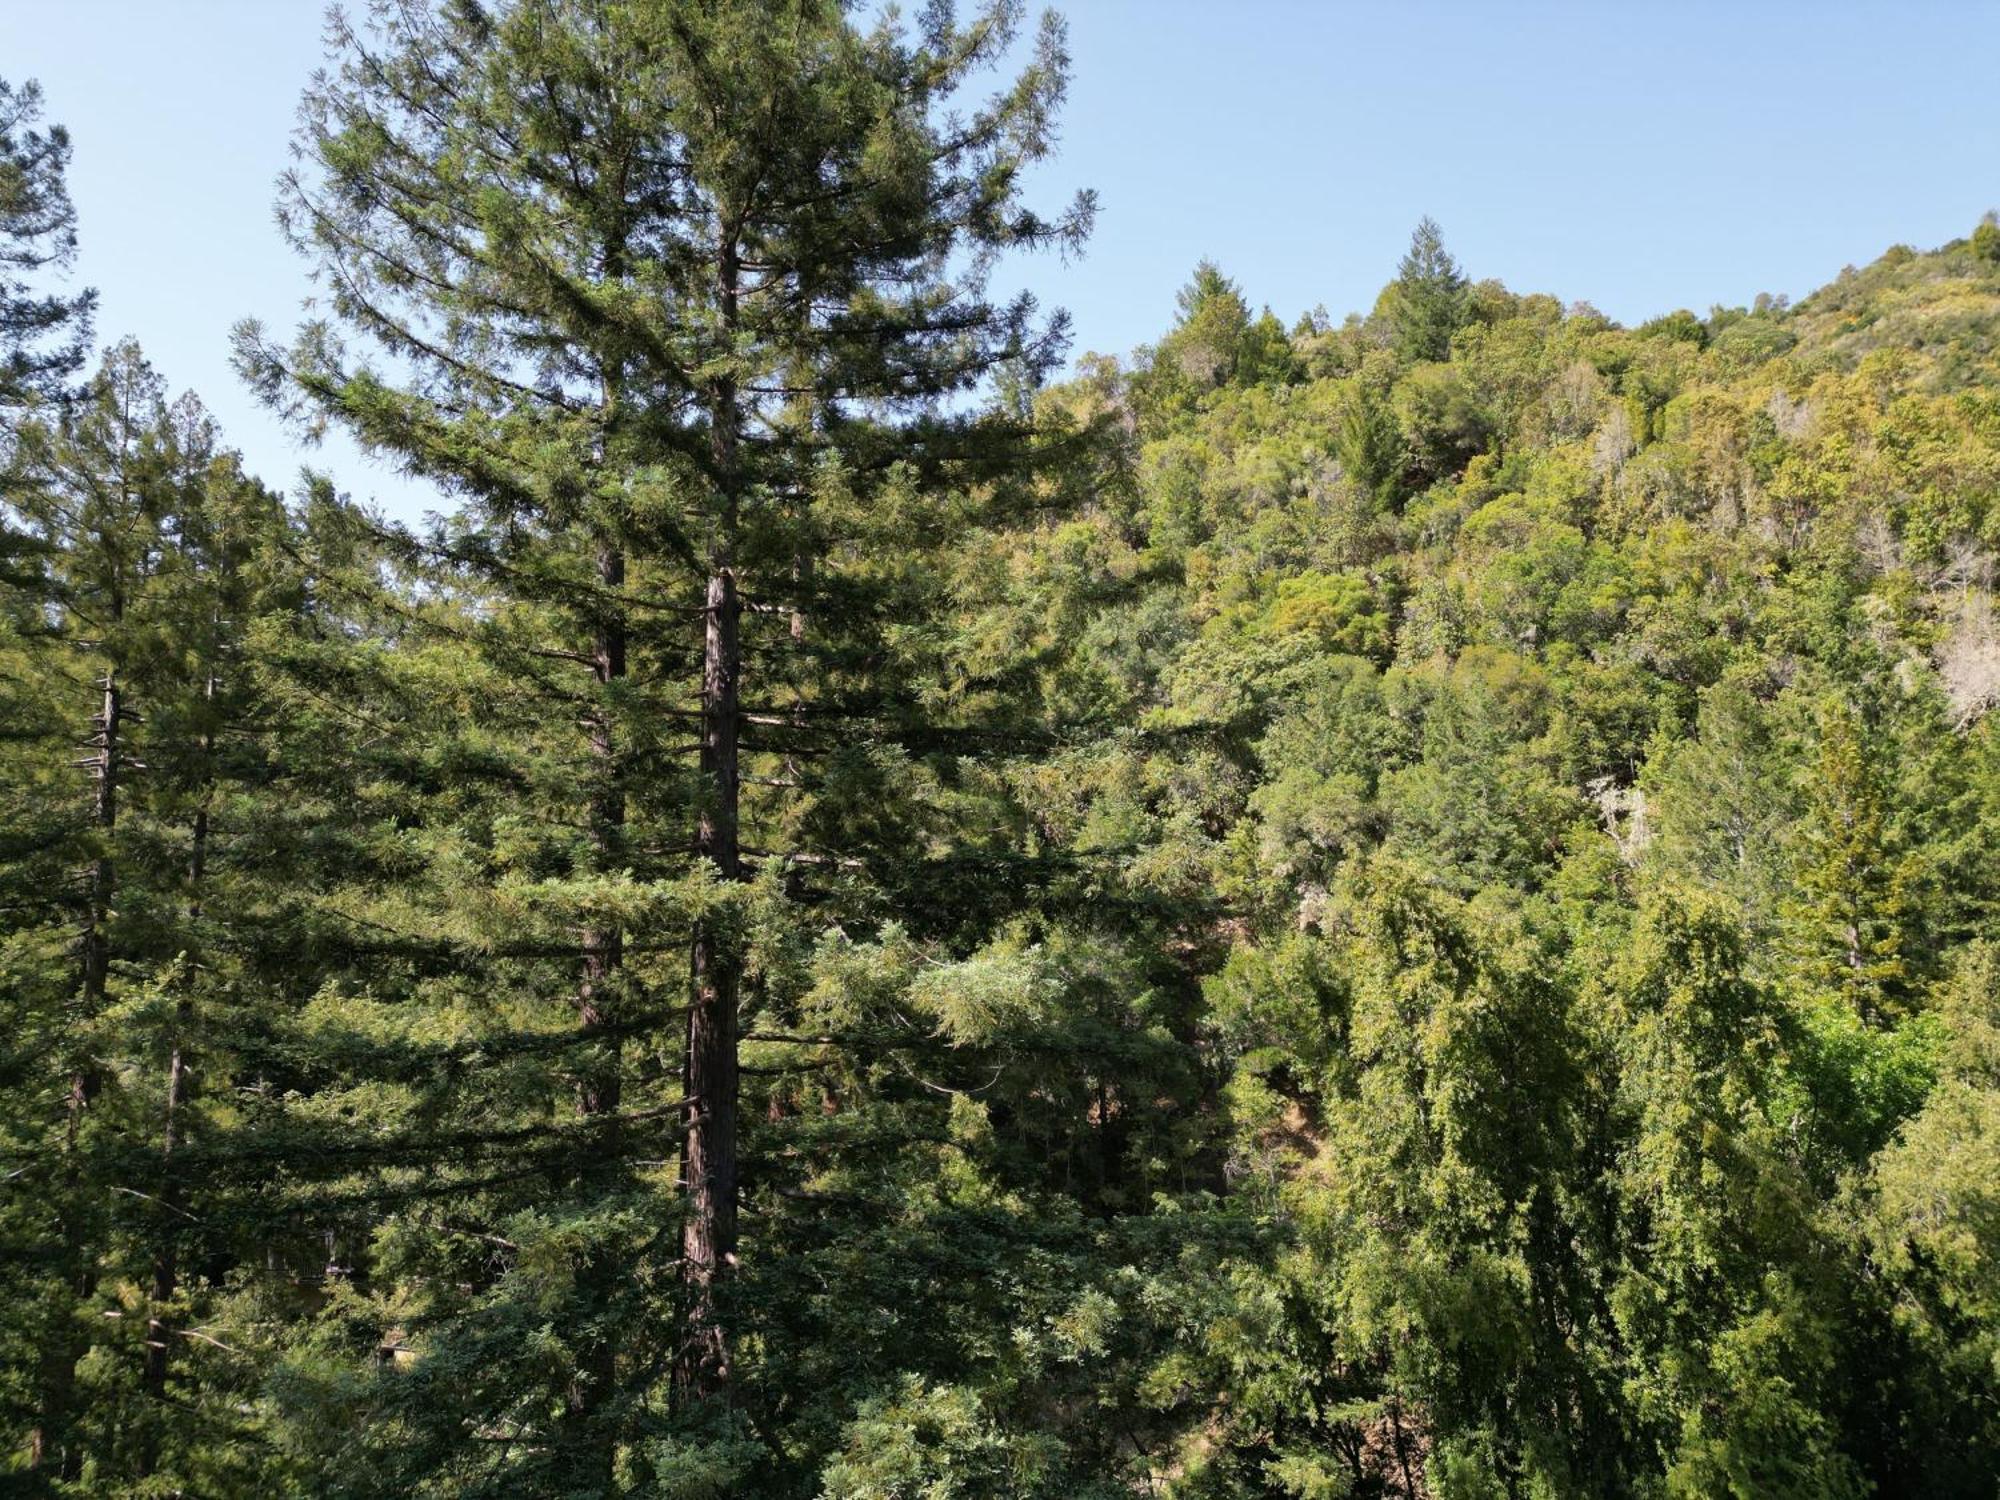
{"x":683,"y":305}
{"x":1429,"y":297}
{"x":153,"y":554}
{"x":1214,"y":343}
{"x":1853,"y":903}
{"x":44,"y":333}
{"x":91,"y":504}
{"x":214,"y":762}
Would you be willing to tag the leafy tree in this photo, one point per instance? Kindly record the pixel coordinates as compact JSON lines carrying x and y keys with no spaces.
{"x":1986,"y":239}
{"x":1214,"y":343}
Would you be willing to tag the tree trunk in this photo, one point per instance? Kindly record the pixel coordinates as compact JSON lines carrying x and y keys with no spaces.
{"x":600,"y":1085}
{"x":708,"y":1162}
{"x":166,"y":1258}
{"x":51,"y":1445}
{"x":708,"y":1242}
{"x":166,"y":1252}
{"x":1410,"y":1490}
{"x":604,"y":948}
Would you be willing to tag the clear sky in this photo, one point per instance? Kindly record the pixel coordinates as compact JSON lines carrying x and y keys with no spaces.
{"x":1641,"y":157}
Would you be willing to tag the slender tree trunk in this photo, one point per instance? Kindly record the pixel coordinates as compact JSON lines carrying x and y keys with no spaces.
{"x":1410,"y":1490}
{"x":166,"y":1253}
{"x":51,"y":1445}
{"x":708,"y":1236}
{"x":173,"y":1197}
{"x":604,"y":947}
{"x":96,"y":951}
{"x":600,"y":1084}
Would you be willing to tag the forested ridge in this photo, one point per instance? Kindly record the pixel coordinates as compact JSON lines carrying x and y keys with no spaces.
{"x":1401,"y":906}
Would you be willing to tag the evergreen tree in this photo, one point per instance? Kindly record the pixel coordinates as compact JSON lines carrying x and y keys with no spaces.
{"x":691,"y":300}
{"x":1370,"y":446}
{"x":154,"y":555}
{"x":1393,"y":910}
{"x":1717,"y":1290}
{"x":1210,"y":329}
{"x":43,"y":333}
{"x":93,"y":502}
{"x":1430,"y":298}
{"x":1854,"y":899}
{"x":1215,"y":342}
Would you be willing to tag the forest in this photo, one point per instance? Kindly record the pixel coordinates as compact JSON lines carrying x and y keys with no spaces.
{"x":877,"y":908}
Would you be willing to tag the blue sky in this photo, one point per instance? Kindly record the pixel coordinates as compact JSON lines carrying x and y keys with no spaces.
{"x":1639,"y":157}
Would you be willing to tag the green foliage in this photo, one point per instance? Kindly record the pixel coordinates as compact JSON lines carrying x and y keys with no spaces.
{"x":1586,"y":794}
{"x":1429,"y":300}
{"x":1400,"y":908}
{"x":44,"y":333}
{"x":143,"y":896}
{"x":1214,"y":343}
{"x":1854,"y":893}
{"x":1986,"y":239}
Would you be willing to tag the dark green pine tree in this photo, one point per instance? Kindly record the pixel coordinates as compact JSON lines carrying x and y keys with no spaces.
{"x":1855,"y":901}
{"x":1429,"y":298}
{"x":1215,"y":342}
{"x":151,"y":555}
{"x":685,"y":307}
{"x":44,"y":333}
{"x":88,"y":490}
{"x":213,"y":966}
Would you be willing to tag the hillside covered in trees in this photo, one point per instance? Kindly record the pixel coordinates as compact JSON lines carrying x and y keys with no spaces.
{"x":1402,"y":906}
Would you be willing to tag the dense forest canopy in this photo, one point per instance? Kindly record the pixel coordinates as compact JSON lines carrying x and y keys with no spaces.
{"x":1395,"y":907}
